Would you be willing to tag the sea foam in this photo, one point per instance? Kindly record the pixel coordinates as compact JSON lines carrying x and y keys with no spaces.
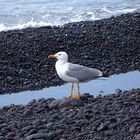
{"x":57,"y":19}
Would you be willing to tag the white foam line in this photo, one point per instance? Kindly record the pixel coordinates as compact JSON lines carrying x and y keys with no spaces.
{"x":77,"y":18}
{"x":24,"y":25}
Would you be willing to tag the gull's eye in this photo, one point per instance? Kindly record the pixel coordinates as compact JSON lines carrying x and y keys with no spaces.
{"x":59,"y":54}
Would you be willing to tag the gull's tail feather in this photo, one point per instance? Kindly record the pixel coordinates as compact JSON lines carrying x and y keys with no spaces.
{"x":102,"y":78}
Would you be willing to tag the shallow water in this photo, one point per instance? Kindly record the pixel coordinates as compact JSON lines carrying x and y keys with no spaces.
{"x":125,"y":81}
{"x":18,"y":14}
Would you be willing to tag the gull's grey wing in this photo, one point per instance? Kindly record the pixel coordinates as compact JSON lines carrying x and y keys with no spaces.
{"x":82,"y":73}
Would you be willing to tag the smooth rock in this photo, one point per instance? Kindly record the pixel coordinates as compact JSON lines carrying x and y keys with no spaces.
{"x":137,"y":137}
{"x":54,"y":104}
{"x":37,"y":136}
{"x":28,"y":113}
{"x":70,"y":102}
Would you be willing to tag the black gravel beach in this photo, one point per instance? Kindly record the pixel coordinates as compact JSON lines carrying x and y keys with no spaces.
{"x":111,"y":45}
{"x":112,"y":117}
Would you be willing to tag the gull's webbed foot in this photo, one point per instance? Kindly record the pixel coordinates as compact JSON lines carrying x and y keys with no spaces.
{"x":76,"y":96}
{"x":70,"y":96}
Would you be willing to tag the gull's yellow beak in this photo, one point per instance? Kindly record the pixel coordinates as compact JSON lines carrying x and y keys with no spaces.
{"x":51,"y":56}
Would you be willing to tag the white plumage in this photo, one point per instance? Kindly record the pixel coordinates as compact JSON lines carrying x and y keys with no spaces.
{"x":74,"y":73}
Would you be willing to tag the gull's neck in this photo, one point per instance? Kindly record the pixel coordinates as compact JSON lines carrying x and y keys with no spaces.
{"x":59,"y":65}
{"x":61,"y":61}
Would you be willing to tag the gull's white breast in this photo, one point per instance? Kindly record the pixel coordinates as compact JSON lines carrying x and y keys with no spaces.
{"x":61,"y":68}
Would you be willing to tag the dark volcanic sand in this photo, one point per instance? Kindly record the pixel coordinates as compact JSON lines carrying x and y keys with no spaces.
{"x":111,"y":45}
{"x":112,"y":117}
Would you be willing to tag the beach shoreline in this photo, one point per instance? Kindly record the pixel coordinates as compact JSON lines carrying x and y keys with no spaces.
{"x":111,"y":45}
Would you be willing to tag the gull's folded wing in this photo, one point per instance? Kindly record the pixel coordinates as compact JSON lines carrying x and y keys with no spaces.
{"x":82,"y":73}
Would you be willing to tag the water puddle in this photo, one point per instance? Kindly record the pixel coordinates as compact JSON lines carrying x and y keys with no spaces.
{"x":125,"y":81}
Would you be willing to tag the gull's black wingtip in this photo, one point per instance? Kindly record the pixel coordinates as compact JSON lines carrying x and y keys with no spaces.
{"x":105,"y":75}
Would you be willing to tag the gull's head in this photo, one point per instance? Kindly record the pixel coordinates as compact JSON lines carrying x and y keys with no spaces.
{"x":63,"y":56}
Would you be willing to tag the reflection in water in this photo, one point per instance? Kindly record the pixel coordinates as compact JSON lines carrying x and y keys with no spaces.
{"x":122,"y":81}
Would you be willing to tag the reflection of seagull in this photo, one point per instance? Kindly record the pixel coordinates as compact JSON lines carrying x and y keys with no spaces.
{"x":74,"y":73}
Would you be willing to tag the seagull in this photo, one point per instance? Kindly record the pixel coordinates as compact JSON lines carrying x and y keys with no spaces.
{"x":74,"y":73}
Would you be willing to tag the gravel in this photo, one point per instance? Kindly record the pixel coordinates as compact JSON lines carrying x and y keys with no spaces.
{"x":111,"y":45}
{"x":113,"y":117}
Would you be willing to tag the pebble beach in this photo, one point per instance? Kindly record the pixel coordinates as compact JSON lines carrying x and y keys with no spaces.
{"x":111,"y":45}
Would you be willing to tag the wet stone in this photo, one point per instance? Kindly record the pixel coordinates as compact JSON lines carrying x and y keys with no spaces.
{"x":37,"y":136}
{"x":32,"y":131}
{"x":54,"y":134}
{"x":2,"y":138}
{"x":49,"y":125}
{"x":134,"y":128}
{"x":102,"y":127}
{"x":27,"y":128}
{"x":28,"y":112}
{"x":54,"y":104}
{"x":3,"y":125}
{"x":11,"y":134}
{"x":137,"y":137}
{"x":70,"y":103}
